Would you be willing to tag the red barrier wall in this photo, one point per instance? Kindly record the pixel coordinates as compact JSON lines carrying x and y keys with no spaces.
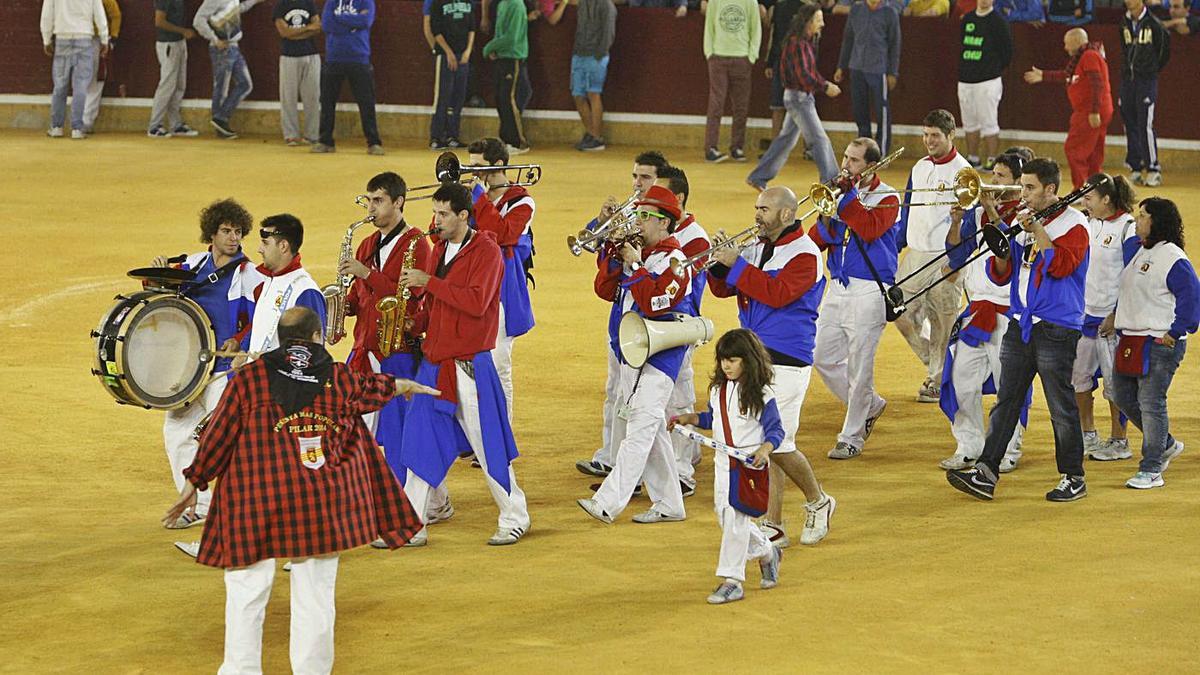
{"x":656,"y":66}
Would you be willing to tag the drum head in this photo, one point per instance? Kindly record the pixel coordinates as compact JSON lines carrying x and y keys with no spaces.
{"x":161,"y":353}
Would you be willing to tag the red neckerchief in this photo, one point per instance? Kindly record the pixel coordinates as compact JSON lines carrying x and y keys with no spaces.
{"x":291,"y":267}
{"x":984,"y":315}
{"x":949,"y":156}
{"x":725,"y":416}
{"x":666,"y":245}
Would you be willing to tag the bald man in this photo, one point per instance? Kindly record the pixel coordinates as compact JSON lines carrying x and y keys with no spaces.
{"x":778,"y":281}
{"x":1086,"y":77}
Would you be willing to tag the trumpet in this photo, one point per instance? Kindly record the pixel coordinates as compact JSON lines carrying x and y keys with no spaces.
{"x":449,"y":169}
{"x":616,"y":227}
{"x":966,"y":190}
{"x":335,"y":293}
{"x":825,"y":196}
{"x":739,"y":241}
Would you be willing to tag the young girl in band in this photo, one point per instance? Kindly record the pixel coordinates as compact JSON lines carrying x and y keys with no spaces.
{"x":743,"y":414}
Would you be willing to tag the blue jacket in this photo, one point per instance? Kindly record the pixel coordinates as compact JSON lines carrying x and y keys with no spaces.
{"x":347,"y":26}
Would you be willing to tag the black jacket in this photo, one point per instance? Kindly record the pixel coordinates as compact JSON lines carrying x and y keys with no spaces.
{"x":1146,"y":52}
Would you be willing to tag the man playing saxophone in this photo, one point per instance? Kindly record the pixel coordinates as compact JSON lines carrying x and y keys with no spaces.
{"x":382,"y":340}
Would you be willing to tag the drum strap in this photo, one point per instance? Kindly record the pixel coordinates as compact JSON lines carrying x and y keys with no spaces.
{"x":213,"y":277}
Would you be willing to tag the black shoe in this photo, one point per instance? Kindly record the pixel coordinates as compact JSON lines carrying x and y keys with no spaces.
{"x":1069,"y":489}
{"x":687,"y":490}
{"x":223,"y":128}
{"x":454,"y":143}
{"x":737,"y":154}
{"x":584,"y":142}
{"x":973,"y":482}
{"x":714,"y":156}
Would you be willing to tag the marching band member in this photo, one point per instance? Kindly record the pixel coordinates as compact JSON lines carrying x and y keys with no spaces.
{"x":972,"y":366}
{"x":743,"y":413}
{"x":1046,"y":291}
{"x":646,"y":168}
{"x":642,"y":281}
{"x":778,"y":282}
{"x":1114,"y":242}
{"x":923,"y":230}
{"x":287,"y":283}
{"x":693,"y":240}
{"x":506,"y":211}
{"x":861,"y":245}
{"x":460,"y":316}
{"x":1158,"y":305}
{"x":225,"y":281}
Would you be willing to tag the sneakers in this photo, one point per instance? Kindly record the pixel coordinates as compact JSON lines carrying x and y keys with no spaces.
{"x":769,"y":566}
{"x":737,"y":154}
{"x":726,"y":592}
{"x":1144,"y":480}
{"x":1154,"y":179}
{"x":186,"y":520}
{"x":596,"y":145}
{"x":293,"y":142}
{"x":223,"y":128}
{"x":593,"y":509}
{"x":159,"y":132}
{"x":514,"y":150}
{"x":321,"y":147}
{"x":375,"y":150}
{"x":687,"y":490}
{"x":421,"y":538}
{"x":379,"y":543}
{"x":759,"y":187}
{"x":973,"y":482}
{"x":656,"y":516}
{"x":870,"y":425}
{"x":957,"y":462}
{"x":593,"y":468}
{"x":816,"y":525}
{"x":929,"y":392}
{"x":189,"y":548}
{"x":78,"y":135}
{"x":844,"y":451}
{"x":775,"y":533}
{"x":1069,"y":489}
{"x":441,"y":514}
{"x":184,"y":130}
{"x":287,"y":566}
{"x":1171,"y":453}
{"x":637,"y":490}
{"x":55,"y":132}
{"x":1009,"y":464}
{"x":438,"y":145}
{"x":1109,"y":450}
{"x":507,"y":535}
{"x":1091,"y":441}
{"x":583,"y":142}
{"x":714,"y":156}
{"x":454,"y":143}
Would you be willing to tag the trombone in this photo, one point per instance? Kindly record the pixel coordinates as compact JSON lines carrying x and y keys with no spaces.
{"x":614,"y":228}
{"x":449,"y":169}
{"x":966,"y":190}
{"x":825,"y":196}
{"x":741,"y":240}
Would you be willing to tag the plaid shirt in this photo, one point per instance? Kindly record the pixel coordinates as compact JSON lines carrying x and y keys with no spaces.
{"x":798,"y":66}
{"x":303,"y":485}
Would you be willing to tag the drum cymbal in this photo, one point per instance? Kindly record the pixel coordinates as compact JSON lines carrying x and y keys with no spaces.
{"x":166,"y":276}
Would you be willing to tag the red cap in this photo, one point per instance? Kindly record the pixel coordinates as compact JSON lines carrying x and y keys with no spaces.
{"x":663,"y":199}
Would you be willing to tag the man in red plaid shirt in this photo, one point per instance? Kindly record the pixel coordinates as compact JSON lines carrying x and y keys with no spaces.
{"x":299,"y":477}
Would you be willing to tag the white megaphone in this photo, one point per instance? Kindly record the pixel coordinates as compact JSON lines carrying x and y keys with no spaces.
{"x":640,"y":339}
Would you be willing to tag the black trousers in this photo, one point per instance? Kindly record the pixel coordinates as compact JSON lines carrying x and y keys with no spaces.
{"x":362,"y":87}
{"x":508,"y":77}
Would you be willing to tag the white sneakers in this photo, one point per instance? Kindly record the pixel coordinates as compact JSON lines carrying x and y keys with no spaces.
{"x":957,"y":462}
{"x":1171,"y":453}
{"x":188,"y":548}
{"x":55,"y":132}
{"x":1144,"y":480}
{"x":1109,"y":450}
{"x":816,"y":525}
{"x":775,"y":533}
{"x":656,"y":516}
{"x":593,"y":509}
{"x":725,"y":593}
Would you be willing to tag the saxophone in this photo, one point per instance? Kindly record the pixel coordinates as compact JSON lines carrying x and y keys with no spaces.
{"x":335,"y":293}
{"x":393,"y":309}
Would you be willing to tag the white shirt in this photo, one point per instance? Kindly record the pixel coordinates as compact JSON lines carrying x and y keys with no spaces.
{"x":927,"y":225}
{"x":73,"y":20}
{"x":1106,"y":259}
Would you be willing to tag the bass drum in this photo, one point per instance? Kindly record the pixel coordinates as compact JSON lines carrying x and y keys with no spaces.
{"x":151,"y":350}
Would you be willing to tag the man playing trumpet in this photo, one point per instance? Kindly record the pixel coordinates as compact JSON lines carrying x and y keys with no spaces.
{"x":778,"y":280}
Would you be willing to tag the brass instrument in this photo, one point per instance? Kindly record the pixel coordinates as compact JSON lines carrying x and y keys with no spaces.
{"x":393,"y":309}
{"x":825,"y":197}
{"x":335,"y":293}
{"x":449,"y":169}
{"x":620,"y":226}
{"x":968,"y":187}
{"x":739,"y":241}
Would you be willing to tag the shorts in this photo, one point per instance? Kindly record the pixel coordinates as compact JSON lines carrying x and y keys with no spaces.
{"x":1094,"y":355}
{"x":587,"y":75}
{"x":979,"y":103}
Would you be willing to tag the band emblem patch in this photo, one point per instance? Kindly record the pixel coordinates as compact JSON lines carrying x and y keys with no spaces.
{"x":311,"y":453}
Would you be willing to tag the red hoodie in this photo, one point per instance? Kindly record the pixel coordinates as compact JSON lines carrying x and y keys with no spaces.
{"x":360,"y":302}
{"x":1086,"y":76}
{"x":461,"y":310}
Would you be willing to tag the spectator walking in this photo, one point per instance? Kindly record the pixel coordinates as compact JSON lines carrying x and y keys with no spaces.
{"x":1145,"y":46}
{"x":732,"y":37}
{"x":595,"y":29}
{"x":91,"y":107}
{"x":170,"y":44}
{"x":298,"y":24}
{"x":347,"y":25}
{"x":452,"y":24}
{"x":509,"y":48}
{"x":779,"y":24}
{"x":871,"y":52}
{"x":987,"y":50}
{"x":67,"y":29}
{"x":220,"y":22}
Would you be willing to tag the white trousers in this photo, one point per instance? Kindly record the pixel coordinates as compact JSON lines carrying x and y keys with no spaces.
{"x":178,"y":426}
{"x":612,"y":391}
{"x":300,"y":81}
{"x":683,"y":400}
{"x":791,"y":386}
{"x":513,"y":510}
{"x":502,"y":357}
{"x":646,"y":451}
{"x":741,"y":539}
{"x":972,"y":367}
{"x":1092,"y":353}
{"x":91,"y":105}
{"x":848,"y":330}
{"x":247,"y":590}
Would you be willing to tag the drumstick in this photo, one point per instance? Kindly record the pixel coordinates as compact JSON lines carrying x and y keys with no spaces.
{"x":209,"y":354}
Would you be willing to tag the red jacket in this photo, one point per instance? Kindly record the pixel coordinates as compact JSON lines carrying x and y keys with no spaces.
{"x":269,"y":502}
{"x":461,"y":310}
{"x":509,"y":227}
{"x":1086,"y":76}
{"x":379,"y":284}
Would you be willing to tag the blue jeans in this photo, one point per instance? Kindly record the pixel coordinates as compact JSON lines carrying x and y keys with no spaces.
{"x":449,"y":94}
{"x":1050,"y":355}
{"x":231,"y":81}
{"x":869,"y":93}
{"x":74,"y":64}
{"x":1144,"y":400}
{"x":801,"y":119}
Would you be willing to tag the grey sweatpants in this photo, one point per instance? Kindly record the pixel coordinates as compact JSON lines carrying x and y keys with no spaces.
{"x":300,"y":80}
{"x":172,"y":81}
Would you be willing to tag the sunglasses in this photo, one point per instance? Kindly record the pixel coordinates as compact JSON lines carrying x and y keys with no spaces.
{"x":267,"y":234}
{"x":643,"y":215}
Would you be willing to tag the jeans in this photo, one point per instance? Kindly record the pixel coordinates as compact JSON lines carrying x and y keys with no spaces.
{"x":449,"y":94}
{"x":362,"y":87}
{"x":801,"y":119}
{"x":74,"y":65}
{"x":1137,"y":99}
{"x":1144,"y":400}
{"x":1049,"y":354}
{"x":869,"y":93}
{"x":231,"y":80}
